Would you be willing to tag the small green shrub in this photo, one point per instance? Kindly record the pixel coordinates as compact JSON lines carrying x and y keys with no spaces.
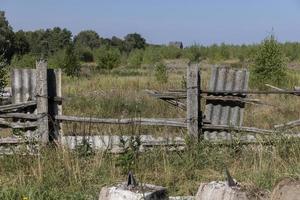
{"x":192,"y":53}
{"x":129,"y":159}
{"x":161,"y":73}
{"x":135,"y":58}
{"x":85,"y":54}
{"x":122,"y":71}
{"x":57,"y":59}
{"x":269,"y":63}
{"x":151,"y":55}
{"x":171,"y":52}
{"x":84,"y":149}
{"x":108,"y":58}
{"x":71,"y":65}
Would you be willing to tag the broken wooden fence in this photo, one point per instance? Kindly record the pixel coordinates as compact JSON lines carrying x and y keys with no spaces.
{"x":36,"y":109}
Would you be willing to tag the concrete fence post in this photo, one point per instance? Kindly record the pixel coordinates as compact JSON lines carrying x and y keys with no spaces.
{"x":194,"y":114}
{"x":42,"y":100}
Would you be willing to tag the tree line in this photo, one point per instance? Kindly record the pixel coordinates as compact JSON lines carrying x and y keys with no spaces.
{"x":63,"y":50}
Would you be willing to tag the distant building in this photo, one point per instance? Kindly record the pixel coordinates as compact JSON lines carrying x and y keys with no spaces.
{"x":177,"y":44}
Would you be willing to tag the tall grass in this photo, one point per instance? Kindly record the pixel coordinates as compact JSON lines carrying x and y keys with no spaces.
{"x":61,"y":174}
{"x":57,"y":173}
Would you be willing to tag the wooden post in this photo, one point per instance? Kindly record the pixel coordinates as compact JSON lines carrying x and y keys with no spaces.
{"x":194,"y":115}
{"x":55,"y":107}
{"x":42,"y":100}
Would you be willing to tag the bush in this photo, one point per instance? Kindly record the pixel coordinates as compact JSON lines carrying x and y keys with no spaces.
{"x":57,"y":59}
{"x":25,"y":61}
{"x":135,"y":58}
{"x":171,"y":52}
{"x":85,"y":54}
{"x":192,"y":53}
{"x":151,"y":55}
{"x":270,"y":63}
{"x":3,"y":73}
{"x":161,"y":73}
{"x":71,"y":64}
{"x":108,"y":58}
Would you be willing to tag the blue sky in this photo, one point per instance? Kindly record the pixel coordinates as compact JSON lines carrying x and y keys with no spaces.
{"x":160,"y":21}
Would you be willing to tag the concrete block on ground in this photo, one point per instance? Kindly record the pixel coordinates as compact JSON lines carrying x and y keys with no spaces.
{"x":124,"y":192}
{"x":221,"y":191}
{"x":286,"y":189}
{"x":182,"y":198}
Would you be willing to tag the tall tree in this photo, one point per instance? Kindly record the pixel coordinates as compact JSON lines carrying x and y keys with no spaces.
{"x":87,"y":38}
{"x":6,"y":38}
{"x":49,"y":41}
{"x":118,"y":43}
{"x":134,"y":41}
{"x":21,"y":45}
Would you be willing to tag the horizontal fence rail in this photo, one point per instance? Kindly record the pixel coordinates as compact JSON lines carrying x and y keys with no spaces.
{"x":180,"y":122}
{"x":181,"y":93}
{"x":16,"y":106}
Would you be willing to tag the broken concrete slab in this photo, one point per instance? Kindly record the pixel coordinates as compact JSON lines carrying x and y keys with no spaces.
{"x":142,"y":191}
{"x":221,"y":191}
{"x":286,"y":189}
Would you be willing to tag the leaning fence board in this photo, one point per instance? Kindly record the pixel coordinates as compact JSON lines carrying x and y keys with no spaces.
{"x":237,"y":128}
{"x":169,"y":96}
{"x":288,"y":124}
{"x":172,"y":101}
{"x":180,"y":122}
{"x":16,"y":106}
